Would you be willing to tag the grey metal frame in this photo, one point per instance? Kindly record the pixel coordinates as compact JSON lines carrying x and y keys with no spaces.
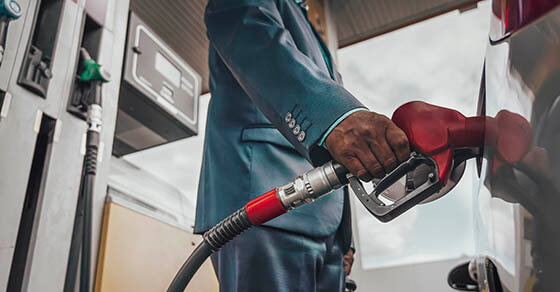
{"x":18,"y":132}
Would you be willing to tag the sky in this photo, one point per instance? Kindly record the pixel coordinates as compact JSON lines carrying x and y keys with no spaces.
{"x":439,"y":61}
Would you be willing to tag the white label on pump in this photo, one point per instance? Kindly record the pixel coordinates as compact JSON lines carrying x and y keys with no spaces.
{"x":57,"y":130}
{"x":6,"y":105}
{"x":83,"y":146}
{"x":38,"y":117}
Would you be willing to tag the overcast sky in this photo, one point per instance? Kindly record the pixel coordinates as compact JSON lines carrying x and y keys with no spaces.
{"x":440,"y":61}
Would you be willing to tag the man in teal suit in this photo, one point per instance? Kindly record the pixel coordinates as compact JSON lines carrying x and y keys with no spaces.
{"x":278,"y":108}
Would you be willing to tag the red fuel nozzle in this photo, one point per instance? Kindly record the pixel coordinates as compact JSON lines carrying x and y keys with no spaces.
{"x":436,"y":131}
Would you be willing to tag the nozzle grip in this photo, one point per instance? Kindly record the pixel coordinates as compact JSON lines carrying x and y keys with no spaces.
{"x":386,"y":213}
{"x":436,"y":132}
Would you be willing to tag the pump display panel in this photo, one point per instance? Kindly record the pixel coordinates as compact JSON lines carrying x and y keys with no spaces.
{"x":159,"y":93}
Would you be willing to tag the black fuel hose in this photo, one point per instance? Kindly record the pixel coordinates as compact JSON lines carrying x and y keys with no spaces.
{"x":214,"y":239}
{"x":189,"y":268}
{"x":90,"y":165}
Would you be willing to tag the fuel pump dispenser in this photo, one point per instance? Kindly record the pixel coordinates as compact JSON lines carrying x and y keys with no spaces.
{"x":43,"y":144}
{"x":158,"y":97}
{"x":9,"y":10}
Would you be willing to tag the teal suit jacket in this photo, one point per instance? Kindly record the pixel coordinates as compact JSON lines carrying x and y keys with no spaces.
{"x":272,"y":99}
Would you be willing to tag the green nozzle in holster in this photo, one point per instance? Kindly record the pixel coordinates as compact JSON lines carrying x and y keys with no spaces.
{"x":92,"y":72}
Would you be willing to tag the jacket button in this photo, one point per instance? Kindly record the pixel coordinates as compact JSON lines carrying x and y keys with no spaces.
{"x":301,"y":136}
{"x":288,"y":117}
{"x":292,"y":123}
{"x":297,"y":130}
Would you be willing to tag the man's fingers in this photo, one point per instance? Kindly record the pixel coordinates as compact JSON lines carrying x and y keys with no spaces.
{"x":355,"y":166}
{"x":368,"y":144}
{"x":384,"y":154}
{"x":399,"y":142}
{"x":370,"y":161}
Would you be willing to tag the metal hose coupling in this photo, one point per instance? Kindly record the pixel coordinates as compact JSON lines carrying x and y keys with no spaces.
{"x":304,"y":189}
{"x":95,"y":117}
{"x":312,"y":185}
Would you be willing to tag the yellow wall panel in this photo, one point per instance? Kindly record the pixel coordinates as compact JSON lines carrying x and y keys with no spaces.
{"x":141,"y":254}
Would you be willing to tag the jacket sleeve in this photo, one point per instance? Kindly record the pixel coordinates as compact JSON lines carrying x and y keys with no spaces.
{"x":250,"y":38}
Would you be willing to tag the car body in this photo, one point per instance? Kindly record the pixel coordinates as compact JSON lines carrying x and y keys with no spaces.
{"x":517,"y":201}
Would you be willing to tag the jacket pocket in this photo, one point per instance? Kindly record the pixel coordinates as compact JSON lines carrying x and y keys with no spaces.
{"x":267,"y":135}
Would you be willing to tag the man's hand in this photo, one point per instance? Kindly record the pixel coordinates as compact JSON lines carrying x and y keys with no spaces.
{"x":348,"y":261}
{"x":369,"y":145}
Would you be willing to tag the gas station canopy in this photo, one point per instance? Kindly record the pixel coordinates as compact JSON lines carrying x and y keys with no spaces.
{"x":359,"y":20}
{"x":181,"y":23}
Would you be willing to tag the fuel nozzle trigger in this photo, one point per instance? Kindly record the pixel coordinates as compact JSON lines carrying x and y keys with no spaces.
{"x":415,"y":191}
{"x":91,"y":79}
{"x":387,"y":212}
{"x":92,"y":70}
{"x":441,"y":140}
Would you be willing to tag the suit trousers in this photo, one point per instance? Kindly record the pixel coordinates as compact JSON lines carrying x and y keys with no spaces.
{"x":266,"y":259}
